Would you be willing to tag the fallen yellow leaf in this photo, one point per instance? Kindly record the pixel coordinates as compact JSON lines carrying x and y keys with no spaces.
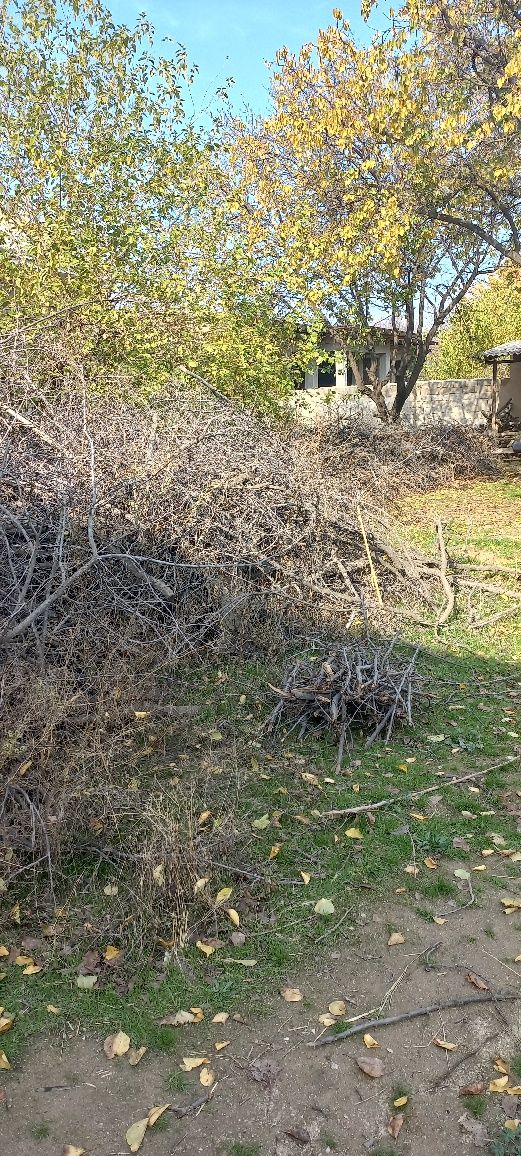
{"x":206,"y":1077}
{"x":32,"y":969}
{"x":136,"y":1134}
{"x":324,"y":907}
{"x":400,"y":1102}
{"x":262,"y":823}
{"x":502,"y":1066}
{"x":353,"y":833}
{"x":15,"y":913}
{"x":233,"y":915}
{"x":338,"y":1007}
{"x":55,"y":1011}
{"x":200,"y":884}
{"x":370,"y":1041}
{"x":275,"y":850}
{"x":6,"y":1022}
{"x":326,"y":1020}
{"x":447,"y":1047}
{"x":23,"y":960}
{"x":306,"y":877}
{"x":135,"y":1055}
{"x":72,"y":1150}
{"x":223,"y":895}
{"x":220,"y":1044}
{"x":4,"y":1062}
{"x":512,"y":1125}
{"x":206,"y":948}
{"x":221,"y":1018}
{"x":395,"y":939}
{"x":439,"y":920}
{"x":291,"y":994}
{"x":155,"y":1113}
{"x":515,"y":1091}
{"x":498,"y":1085}
{"x":111,"y":952}
{"x":4,"y":951}
{"x":116,"y":1045}
{"x":198,"y":1014}
{"x":191,"y":1062}
{"x":418,"y":816}
{"x":431,"y":863}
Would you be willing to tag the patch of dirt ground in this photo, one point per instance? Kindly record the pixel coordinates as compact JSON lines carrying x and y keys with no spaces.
{"x":270,"y":1082}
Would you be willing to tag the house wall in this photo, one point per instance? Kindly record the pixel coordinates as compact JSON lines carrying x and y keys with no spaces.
{"x":512,"y":388}
{"x":382,"y":352}
{"x":465,"y":402}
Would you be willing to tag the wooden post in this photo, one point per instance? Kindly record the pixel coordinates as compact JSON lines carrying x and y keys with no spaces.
{"x":495,"y":398}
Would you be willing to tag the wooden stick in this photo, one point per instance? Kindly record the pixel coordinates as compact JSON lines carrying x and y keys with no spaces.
{"x":417,"y":794}
{"x":374,"y":576}
{"x":445,"y":614}
{"x":490,"y":997}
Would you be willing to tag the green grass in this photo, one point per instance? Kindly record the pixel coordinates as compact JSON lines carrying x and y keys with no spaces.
{"x":328,"y":1141}
{"x":515,"y":1067}
{"x":237,"y":1149}
{"x":41,"y":1131}
{"x":253,"y":774}
{"x":476,"y":1105}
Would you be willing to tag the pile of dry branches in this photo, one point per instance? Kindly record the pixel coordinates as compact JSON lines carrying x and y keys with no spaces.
{"x":360,"y":686}
{"x":133,"y":537}
{"x":401,"y":460}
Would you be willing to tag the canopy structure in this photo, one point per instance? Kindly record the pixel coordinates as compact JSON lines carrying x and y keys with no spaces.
{"x":509,"y":352}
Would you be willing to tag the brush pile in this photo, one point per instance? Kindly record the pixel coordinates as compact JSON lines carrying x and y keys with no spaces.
{"x":360,"y":686}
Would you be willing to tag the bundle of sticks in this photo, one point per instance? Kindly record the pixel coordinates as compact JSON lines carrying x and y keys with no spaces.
{"x":363,"y":685}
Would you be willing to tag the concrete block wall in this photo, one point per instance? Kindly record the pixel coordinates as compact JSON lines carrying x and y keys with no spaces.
{"x":464,"y":402}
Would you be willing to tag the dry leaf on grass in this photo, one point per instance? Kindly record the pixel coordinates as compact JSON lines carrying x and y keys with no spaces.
{"x":400,"y":1102}
{"x":155,"y":1113}
{"x":178,"y":1019}
{"x":111,"y":953}
{"x":136,"y":1134}
{"x":395,"y":939}
{"x":439,"y":920}
{"x":86,"y":982}
{"x":135,"y":1055}
{"x":116,"y":1045}
{"x":221,"y":1018}
{"x":353,"y":833}
{"x":206,"y":948}
{"x":32,"y":969}
{"x":324,"y":907}
{"x":371,"y":1067}
{"x":337,"y":1007}
{"x":395,"y":1125}
{"x":502,"y":1066}
{"x":4,"y":1063}
{"x":233,"y":915}
{"x":327,"y":1020}
{"x":274,"y":851}
{"x":306,"y":877}
{"x":431,"y":863}
{"x":220,"y":1044}
{"x":291,"y":994}
{"x":6,"y":1022}
{"x":222,"y":895}
{"x":200,"y":884}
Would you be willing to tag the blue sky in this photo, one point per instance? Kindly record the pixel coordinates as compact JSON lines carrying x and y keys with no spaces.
{"x":236,"y":37}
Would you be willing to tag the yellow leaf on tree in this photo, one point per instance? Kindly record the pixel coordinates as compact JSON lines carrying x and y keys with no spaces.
{"x":136,"y":1134}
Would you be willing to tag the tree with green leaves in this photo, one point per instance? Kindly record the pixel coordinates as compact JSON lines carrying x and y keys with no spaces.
{"x":114,"y":216}
{"x":491,"y":316}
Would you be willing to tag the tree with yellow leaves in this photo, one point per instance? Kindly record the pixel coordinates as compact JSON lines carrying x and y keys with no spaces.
{"x":385,"y":180}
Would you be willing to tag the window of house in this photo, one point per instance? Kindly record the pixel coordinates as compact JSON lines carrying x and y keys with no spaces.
{"x":327,"y":375}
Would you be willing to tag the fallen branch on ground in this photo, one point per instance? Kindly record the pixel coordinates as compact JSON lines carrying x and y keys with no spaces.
{"x":411,"y":795}
{"x":490,"y":997}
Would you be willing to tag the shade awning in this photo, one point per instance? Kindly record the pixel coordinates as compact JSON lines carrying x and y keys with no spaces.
{"x":511,"y":351}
